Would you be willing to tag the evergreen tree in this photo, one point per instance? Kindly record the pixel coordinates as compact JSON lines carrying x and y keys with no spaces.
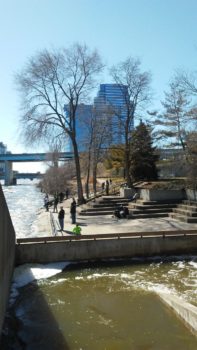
{"x":143,"y":157}
{"x":176,"y":118}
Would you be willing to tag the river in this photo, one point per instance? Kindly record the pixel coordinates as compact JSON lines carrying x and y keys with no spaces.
{"x":106,"y":306}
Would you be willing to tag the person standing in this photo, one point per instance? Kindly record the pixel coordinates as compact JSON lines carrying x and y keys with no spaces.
{"x":107,"y":188}
{"x":46,"y":202}
{"x":55,"y":203}
{"x":61,"y":215}
{"x":73,"y":211}
{"x":67,"y":193}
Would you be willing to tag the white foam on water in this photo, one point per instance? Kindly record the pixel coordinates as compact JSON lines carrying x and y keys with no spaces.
{"x":28,"y":273}
{"x":24,"y":203}
{"x":193,"y":264}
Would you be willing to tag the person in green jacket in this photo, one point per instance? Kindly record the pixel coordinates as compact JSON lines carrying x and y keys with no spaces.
{"x":77,"y":230}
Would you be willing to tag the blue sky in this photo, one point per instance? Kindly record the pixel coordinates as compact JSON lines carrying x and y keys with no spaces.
{"x":163,"y":34}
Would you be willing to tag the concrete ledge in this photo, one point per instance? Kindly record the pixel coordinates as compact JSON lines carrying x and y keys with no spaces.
{"x":105,"y":248}
{"x":159,"y":195}
{"x":187,"y":312}
{"x":72,"y":237}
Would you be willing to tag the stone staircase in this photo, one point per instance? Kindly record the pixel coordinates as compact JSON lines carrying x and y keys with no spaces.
{"x":142,"y":209}
{"x":186,"y":211}
{"x":104,"y":206}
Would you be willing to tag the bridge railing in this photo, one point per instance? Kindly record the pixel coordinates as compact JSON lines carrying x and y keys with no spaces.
{"x":73,"y":237}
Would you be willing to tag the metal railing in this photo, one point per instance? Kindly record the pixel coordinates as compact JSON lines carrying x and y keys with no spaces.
{"x":95,"y":237}
{"x":53,"y":225}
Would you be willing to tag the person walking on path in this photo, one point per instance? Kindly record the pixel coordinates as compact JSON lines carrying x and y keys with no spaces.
{"x":73,"y":211}
{"x":61,"y":215}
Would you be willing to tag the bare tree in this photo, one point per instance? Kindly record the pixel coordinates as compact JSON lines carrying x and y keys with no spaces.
{"x":100,"y":137}
{"x":49,"y":82}
{"x":136,"y":95}
{"x":96,"y":140}
{"x":54,"y":181}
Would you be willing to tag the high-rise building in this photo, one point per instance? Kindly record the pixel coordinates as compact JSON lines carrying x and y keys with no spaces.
{"x":83,"y":116}
{"x":3,"y":148}
{"x":109,"y":103}
{"x":113,"y":97}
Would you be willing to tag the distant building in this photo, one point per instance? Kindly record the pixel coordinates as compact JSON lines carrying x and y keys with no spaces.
{"x":110,"y":100}
{"x":3,"y":148}
{"x":113,"y":97}
{"x":83,"y":115}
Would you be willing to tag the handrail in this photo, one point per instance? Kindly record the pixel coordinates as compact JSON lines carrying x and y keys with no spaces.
{"x":113,"y":189}
{"x":106,"y":235}
{"x":53,"y":226}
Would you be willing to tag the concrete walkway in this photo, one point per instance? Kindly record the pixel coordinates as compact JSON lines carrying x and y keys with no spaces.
{"x":107,"y":224}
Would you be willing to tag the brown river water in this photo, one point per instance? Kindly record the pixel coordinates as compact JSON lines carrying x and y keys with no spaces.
{"x":106,"y":306}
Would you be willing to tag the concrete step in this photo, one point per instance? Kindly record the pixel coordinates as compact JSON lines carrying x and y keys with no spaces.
{"x":108,"y":205}
{"x":96,"y":213}
{"x":114,"y":199}
{"x":151,"y":211}
{"x":183,"y":218}
{"x":188,"y":207}
{"x":100,"y":209}
{"x":188,"y":202}
{"x":147,"y":207}
{"x":185,"y":212}
{"x":149,"y":215}
{"x":168,"y":202}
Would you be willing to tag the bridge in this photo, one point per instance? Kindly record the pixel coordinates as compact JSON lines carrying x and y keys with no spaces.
{"x":8,"y":158}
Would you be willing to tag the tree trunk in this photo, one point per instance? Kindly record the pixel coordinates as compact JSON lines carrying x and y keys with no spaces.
{"x":87,"y":183}
{"x":127,"y":166}
{"x":81,"y":199}
{"x":94,"y":173}
{"x":127,"y":155}
{"x":88,"y":172}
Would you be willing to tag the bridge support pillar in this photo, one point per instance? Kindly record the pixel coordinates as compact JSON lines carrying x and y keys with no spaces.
{"x":8,"y":173}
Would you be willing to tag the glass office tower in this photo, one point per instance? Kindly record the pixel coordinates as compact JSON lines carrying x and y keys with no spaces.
{"x":109,"y":103}
{"x":113,"y":97}
{"x":83,"y":117}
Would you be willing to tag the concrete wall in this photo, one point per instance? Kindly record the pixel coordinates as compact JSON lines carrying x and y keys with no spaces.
{"x":160,"y":195}
{"x":7,"y":255}
{"x":126,"y":192}
{"x":104,"y":248}
{"x":187,"y":312}
{"x":191,"y":195}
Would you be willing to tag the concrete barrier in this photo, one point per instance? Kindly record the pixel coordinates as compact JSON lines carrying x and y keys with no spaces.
{"x":187,"y":312}
{"x":161,"y":195}
{"x":103,"y":248}
{"x":7,"y":255}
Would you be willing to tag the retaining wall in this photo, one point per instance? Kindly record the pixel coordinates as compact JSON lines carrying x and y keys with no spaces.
{"x":187,"y":312}
{"x":7,"y":255}
{"x":91,"y":249}
{"x":191,"y":195}
{"x":159,"y":195}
